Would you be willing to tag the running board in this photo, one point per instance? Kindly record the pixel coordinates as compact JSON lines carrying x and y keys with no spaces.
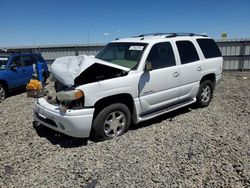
{"x":165,"y":110}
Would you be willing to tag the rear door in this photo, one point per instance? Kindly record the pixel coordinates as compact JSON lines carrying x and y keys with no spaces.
{"x":27,"y":62}
{"x":160,"y":87}
{"x":191,"y":69}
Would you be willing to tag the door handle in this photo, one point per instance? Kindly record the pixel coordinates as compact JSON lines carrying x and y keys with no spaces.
{"x":199,"y":68}
{"x":176,"y":74}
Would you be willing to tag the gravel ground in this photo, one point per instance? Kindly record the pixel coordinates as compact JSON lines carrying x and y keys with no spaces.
{"x":208,"y":147}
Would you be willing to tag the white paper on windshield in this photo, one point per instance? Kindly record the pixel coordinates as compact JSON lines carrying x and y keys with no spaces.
{"x":139,"y":48}
{"x":3,"y":58}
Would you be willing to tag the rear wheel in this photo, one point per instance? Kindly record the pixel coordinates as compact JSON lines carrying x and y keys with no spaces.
{"x":112,"y":121}
{"x":2,"y":93}
{"x":205,"y":93}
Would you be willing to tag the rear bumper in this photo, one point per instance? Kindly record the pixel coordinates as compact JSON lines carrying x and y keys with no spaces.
{"x":218,"y":79}
{"x":75,"y":123}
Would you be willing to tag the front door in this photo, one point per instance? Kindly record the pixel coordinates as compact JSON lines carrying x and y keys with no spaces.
{"x":23,"y":73}
{"x":16,"y":76}
{"x":160,"y":87}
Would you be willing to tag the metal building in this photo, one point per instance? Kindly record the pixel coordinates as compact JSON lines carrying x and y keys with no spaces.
{"x":51,"y":52}
{"x":236,"y":53}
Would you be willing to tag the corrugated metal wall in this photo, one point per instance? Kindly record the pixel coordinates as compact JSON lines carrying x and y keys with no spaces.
{"x":51,"y":53}
{"x":236,"y":53}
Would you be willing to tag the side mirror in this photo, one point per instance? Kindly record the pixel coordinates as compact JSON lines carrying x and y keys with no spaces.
{"x":148,"y":66}
{"x":13,"y":67}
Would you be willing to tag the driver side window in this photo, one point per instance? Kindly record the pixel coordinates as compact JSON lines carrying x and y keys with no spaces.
{"x":161,"y":55}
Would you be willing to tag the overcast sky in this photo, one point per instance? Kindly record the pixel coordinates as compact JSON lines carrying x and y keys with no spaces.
{"x":42,"y":22}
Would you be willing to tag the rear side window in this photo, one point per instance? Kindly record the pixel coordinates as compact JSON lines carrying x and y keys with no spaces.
{"x":16,"y":61}
{"x":27,"y":61}
{"x":187,"y":52}
{"x":209,"y":48}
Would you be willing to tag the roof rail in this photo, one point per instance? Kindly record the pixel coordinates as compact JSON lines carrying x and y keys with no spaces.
{"x":184,"y":34}
{"x":147,"y":34}
{"x":168,"y":35}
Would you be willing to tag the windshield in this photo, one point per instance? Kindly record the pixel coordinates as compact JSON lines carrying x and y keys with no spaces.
{"x":123,"y":54}
{"x":3,"y":62}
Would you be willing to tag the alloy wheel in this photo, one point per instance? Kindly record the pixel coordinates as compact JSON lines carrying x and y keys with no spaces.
{"x":206,"y":93}
{"x":114,"y":124}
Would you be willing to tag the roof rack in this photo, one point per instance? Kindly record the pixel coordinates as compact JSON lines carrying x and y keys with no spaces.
{"x":184,"y":34}
{"x":168,"y":35}
{"x":148,"y":34}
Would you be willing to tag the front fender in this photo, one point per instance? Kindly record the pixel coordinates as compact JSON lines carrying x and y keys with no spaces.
{"x":123,"y":85}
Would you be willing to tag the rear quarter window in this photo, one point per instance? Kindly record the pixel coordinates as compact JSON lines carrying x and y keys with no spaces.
{"x":209,"y":48}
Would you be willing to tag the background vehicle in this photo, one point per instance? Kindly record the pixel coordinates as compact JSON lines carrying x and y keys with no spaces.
{"x":16,"y":69}
{"x":131,"y":80}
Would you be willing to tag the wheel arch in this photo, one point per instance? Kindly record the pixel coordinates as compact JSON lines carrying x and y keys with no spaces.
{"x":5,"y":84}
{"x":124,"y":98}
{"x":210,"y":77}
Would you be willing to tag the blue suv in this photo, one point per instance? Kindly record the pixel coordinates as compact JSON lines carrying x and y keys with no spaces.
{"x":16,"y":69}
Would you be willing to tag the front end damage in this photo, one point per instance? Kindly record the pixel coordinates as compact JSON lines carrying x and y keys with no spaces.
{"x":75,"y":123}
{"x":66,"y":111}
{"x":72,"y":72}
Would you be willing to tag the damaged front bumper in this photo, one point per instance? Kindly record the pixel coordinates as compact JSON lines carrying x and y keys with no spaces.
{"x":75,"y":123}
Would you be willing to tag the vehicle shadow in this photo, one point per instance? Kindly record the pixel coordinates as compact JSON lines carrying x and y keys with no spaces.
{"x":168,"y":116}
{"x":65,"y":141}
{"x":16,"y":92}
{"x":57,"y":138}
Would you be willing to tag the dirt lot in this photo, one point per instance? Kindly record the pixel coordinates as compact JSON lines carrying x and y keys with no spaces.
{"x":207,"y":147}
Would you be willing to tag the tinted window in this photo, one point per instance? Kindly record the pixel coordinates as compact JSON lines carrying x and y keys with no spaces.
{"x":16,"y":61}
{"x":187,"y":52}
{"x":27,"y":61}
{"x":161,"y":55}
{"x":209,"y":48}
{"x":37,"y":58}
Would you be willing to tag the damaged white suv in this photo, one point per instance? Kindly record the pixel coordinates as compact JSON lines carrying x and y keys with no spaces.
{"x":129,"y":81}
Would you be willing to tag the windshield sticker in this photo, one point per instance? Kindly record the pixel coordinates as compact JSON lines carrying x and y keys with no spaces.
{"x":139,"y":48}
{"x":2,"y":67}
{"x":3,"y":58}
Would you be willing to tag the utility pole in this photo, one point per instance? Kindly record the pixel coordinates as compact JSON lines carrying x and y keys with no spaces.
{"x":88,"y":37}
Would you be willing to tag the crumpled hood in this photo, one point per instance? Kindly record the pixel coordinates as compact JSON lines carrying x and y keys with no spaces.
{"x":66,"y":69}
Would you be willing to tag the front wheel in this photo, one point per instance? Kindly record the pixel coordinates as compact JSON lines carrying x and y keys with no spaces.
{"x":2,"y":93}
{"x":111,"y":121}
{"x":45,"y":76}
{"x":205,"y":93}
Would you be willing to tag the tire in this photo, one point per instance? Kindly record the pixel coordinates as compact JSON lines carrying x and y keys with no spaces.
{"x":2,"y":93}
{"x":112,"y":121}
{"x":45,"y":77}
{"x":205,"y":93}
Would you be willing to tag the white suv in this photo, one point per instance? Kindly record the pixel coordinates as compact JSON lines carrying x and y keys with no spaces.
{"x":129,"y":81}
